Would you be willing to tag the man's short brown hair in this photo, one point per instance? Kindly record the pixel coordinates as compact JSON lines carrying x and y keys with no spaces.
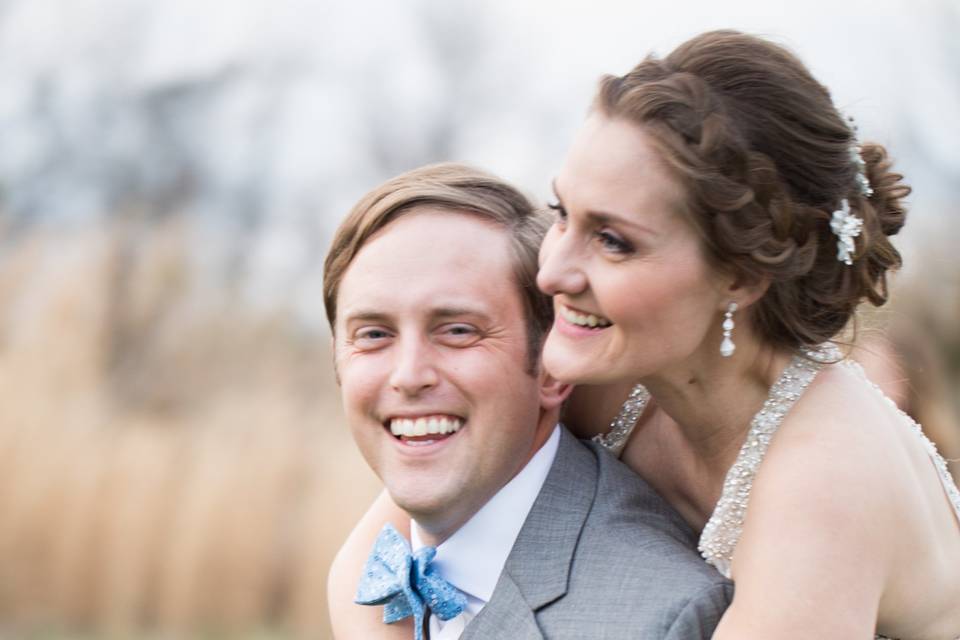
{"x":453,"y":188}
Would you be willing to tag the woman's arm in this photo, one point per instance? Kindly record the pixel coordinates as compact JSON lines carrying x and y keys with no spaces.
{"x":591,"y":408}
{"x":350,"y":620}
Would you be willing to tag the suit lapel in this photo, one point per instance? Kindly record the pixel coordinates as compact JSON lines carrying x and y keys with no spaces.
{"x":539,"y":564}
{"x":507,"y":615}
{"x":538,"y":567}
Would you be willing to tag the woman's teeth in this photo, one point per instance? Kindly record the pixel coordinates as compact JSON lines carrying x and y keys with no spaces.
{"x":412,"y":427}
{"x":584,"y":320}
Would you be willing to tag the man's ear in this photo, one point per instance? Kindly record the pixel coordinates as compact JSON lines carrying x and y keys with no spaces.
{"x":552,"y":391}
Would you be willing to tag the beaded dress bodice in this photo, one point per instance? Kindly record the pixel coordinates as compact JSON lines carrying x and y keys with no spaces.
{"x":722,"y":531}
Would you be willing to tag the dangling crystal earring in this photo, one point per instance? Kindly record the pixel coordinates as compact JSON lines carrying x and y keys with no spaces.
{"x":727,"y":347}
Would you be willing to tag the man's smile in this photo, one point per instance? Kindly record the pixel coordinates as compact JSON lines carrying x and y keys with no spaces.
{"x":423,"y":430}
{"x":427,"y":425}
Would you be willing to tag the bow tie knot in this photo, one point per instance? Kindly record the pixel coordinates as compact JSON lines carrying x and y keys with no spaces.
{"x":405,"y":583}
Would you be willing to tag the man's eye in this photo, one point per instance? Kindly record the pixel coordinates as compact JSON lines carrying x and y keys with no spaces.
{"x":370,"y":336}
{"x":461,"y":329}
{"x":459,"y":334}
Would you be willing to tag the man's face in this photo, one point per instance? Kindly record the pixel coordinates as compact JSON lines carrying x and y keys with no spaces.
{"x":430,"y":337}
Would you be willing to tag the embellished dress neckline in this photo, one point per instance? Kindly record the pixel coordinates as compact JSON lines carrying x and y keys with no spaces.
{"x":722,"y":531}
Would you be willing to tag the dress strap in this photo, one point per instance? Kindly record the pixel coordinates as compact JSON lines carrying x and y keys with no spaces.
{"x":723,"y":529}
{"x":949,"y":486}
{"x":622,"y":426}
{"x":953,"y":494}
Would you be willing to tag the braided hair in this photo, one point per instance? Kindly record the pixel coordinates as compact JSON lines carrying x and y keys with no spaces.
{"x":764,"y":157}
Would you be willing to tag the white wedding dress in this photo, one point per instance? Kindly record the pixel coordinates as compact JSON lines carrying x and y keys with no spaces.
{"x":722,"y":531}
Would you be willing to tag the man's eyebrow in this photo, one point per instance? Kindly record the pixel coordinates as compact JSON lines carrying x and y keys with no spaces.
{"x":451,"y":311}
{"x":458,"y":311}
{"x":368,"y":315}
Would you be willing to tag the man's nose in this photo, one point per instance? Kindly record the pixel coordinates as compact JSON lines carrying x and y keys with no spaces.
{"x":560,"y":268}
{"x":414,"y":369}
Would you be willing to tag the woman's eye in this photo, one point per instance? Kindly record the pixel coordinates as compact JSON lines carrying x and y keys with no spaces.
{"x":560,"y":213}
{"x":611,"y":242}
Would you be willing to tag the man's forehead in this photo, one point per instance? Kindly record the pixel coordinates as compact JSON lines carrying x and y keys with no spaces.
{"x":442,"y":261}
{"x":369,"y":309}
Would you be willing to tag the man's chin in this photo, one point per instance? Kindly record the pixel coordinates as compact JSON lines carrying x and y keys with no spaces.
{"x":437,"y":512}
{"x":423,"y":507}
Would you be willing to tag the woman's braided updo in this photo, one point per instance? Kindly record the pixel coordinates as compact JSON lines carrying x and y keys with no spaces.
{"x":765,"y":159}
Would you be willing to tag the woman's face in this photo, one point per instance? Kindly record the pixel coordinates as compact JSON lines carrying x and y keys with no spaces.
{"x":633,"y":293}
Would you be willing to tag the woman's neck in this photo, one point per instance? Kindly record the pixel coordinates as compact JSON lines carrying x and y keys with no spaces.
{"x":713,"y":399}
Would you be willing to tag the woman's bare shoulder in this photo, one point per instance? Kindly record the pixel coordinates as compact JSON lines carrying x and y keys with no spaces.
{"x":830,"y":474}
{"x":819,"y":516}
{"x":838,"y":444}
{"x":835,"y":520}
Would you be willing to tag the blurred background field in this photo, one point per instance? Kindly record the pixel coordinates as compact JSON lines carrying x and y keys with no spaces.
{"x":165,"y":465}
{"x":173,"y":460}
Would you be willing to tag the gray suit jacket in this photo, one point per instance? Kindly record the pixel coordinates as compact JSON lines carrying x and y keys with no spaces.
{"x":601,"y":555}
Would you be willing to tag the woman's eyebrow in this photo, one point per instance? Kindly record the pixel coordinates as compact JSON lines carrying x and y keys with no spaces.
{"x":605,"y":217}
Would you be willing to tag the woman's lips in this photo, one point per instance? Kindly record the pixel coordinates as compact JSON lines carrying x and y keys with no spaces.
{"x":574,"y":323}
{"x":582,"y":319}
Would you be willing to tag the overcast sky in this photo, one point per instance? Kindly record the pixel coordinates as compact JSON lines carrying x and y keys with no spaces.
{"x":279,"y":114}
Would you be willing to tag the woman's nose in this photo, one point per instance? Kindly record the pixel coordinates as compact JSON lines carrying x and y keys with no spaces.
{"x":560,"y":269}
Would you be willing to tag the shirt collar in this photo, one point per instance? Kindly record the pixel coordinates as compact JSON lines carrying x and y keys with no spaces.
{"x":473,"y":557}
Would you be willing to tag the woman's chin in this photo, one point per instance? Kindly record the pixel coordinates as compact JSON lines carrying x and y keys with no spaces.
{"x":572,"y":365}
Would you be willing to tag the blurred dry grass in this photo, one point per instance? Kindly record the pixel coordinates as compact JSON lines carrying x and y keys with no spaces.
{"x":172,"y":464}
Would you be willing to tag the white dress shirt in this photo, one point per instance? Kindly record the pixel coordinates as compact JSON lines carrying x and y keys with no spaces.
{"x":473,"y":557}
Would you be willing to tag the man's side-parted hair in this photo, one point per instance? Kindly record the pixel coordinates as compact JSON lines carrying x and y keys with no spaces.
{"x":454,"y":188}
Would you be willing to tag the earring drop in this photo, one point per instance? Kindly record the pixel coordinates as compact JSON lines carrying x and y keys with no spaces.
{"x":727,"y":347}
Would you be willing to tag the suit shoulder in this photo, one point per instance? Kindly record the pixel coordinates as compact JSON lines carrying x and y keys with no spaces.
{"x":636,"y":534}
{"x":699,"y":616}
{"x":621,"y":494}
{"x":634,"y":569}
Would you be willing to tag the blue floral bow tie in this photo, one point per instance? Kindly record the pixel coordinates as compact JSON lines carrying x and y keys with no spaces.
{"x":405,"y":583}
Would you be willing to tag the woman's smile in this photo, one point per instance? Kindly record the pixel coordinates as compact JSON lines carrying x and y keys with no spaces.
{"x":581,"y":318}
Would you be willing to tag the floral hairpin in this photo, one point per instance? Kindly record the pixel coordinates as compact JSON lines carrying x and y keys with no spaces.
{"x":846,"y":227}
{"x":844,"y":224}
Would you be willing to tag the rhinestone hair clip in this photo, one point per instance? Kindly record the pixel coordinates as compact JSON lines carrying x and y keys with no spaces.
{"x":846,"y":227}
{"x":844,"y":224}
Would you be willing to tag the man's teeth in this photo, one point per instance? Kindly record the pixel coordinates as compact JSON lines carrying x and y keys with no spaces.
{"x":425,"y":426}
{"x":588,"y":320}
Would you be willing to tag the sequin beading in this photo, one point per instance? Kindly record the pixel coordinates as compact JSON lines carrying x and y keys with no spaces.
{"x":622,"y":426}
{"x":723,"y":529}
{"x":941,"y":465}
